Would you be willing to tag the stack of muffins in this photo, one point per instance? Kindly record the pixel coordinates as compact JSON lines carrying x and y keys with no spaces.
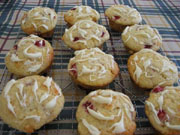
{"x":102,"y":111}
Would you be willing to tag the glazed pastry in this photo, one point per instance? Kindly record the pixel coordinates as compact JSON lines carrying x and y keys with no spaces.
{"x":121,"y":16}
{"x":85,"y":34}
{"x":40,"y":21}
{"x":78,"y":13}
{"x":162,"y":109}
{"x":29,"y":103}
{"x":92,"y":68}
{"x":138,"y":37}
{"x":106,"y":112}
{"x":30,"y":56}
{"x":148,"y":69}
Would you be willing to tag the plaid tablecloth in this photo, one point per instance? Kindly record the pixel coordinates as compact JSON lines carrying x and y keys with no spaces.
{"x":161,"y":14}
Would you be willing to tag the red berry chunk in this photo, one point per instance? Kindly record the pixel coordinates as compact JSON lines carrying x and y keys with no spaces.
{"x":76,"y":39}
{"x":54,"y":17}
{"x":102,"y":35}
{"x":74,"y":70}
{"x":147,"y":46}
{"x":158,"y":89}
{"x":116,"y":17}
{"x":15,"y":47}
{"x":88,"y":104}
{"x":162,"y":115}
{"x":73,"y":8}
{"x":40,"y":43}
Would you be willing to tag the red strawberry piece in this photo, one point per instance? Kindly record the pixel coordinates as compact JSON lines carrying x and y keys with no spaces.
{"x":15,"y":47}
{"x":116,"y":17}
{"x":40,"y":43}
{"x":74,"y":69}
{"x":73,"y":8}
{"x":102,"y":35}
{"x":158,"y":89}
{"x":147,"y":46}
{"x":162,"y":115}
{"x":88,"y":104}
{"x":76,"y":39}
{"x":54,"y":17}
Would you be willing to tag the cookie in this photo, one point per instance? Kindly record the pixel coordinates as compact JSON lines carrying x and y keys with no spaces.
{"x":92,"y":68}
{"x":162,"y":108}
{"x":138,"y":37}
{"x":148,"y":69}
{"x":106,"y":112}
{"x":85,"y":34}
{"x":78,"y":13}
{"x":30,"y":56}
{"x":40,"y":21}
{"x":121,"y":16}
{"x":29,"y":103}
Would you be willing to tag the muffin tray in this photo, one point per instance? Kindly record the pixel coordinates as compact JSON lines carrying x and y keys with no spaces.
{"x":65,"y":123}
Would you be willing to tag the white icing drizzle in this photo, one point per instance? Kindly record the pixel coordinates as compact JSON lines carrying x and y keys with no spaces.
{"x":154,"y":112}
{"x":137,"y":72}
{"x":34,"y":68}
{"x":83,"y":32}
{"x":28,"y":62}
{"x":8,"y":86}
{"x":10,"y":107}
{"x":58,"y":89}
{"x":35,"y":88}
{"x":167,"y":66}
{"x":119,"y":127}
{"x":6,"y":91}
{"x":95,"y":68}
{"x":126,"y":30}
{"x":51,"y":103}
{"x":92,"y":129}
{"x":35,"y":117}
{"x":102,"y":100}
{"x":20,"y":87}
{"x":143,"y":34}
{"x":23,"y":101}
{"x":34,"y":25}
{"x":47,"y":83}
{"x":15,"y":58}
{"x":45,"y":26}
{"x":32,"y":55}
{"x":98,"y":115}
{"x":34,"y":36}
{"x":176,"y":127}
{"x":44,"y":97}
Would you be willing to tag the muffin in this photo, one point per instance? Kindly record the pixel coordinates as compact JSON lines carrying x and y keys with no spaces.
{"x":29,"y":103}
{"x":138,"y":37}
{"x":78,"y":13}
{"x":148,"y":69}
{"x":30,"y":56}
{"x":162,"y":109}
{"x":121,"y":16}
{"x":106,"y":112}
{"x":92,"y":68}
{"x":40,"y":21}
{"x":85,"y":34}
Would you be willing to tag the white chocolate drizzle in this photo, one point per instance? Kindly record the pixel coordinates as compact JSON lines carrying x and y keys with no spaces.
{"x":35,"y":117}
{"x":32,"y":55}
{"x":35,"y":88}
{"x":96,"y":69}
{"x":15,"y":58}
{"x":51,"y":103}
{"x":92,"y":129}
{"x":83,"y":30}
{"x":119,"y":127}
